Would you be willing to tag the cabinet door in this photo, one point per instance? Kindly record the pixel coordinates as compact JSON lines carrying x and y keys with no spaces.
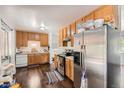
{"x":104,"y":11}
{"x":73,"y":30}
{"x":67,"y":68}
{"x":55,"y":61}
{"x":37,"y":58}
{"x":19,"y":39}
{"x":31,"y":59}
{"x":45,"y":58}
{"x":44,"y":39}
{"x":64,"y":32}
{"x":70,"y":69}
{"x":71,"y":64}
{"x":37,"y":36}
{"x":89,"y":17}
{"x":25,"y":39}
{"x":31,"y":36}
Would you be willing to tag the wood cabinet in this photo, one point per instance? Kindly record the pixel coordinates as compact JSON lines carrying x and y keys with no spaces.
{"x":55,"y":61}
{"x":40,"y":58}
{"x":89,"y":17}
{"x":31,"y":59}
{"x":31,"y":36}
{"x":45,"y":58}
{"x":19,"y":39}
{"x":73,"y":31}
{"x":69,"y":68}
{"x":37,"y":36}
{"x":64,"y":33}
{"x":37,"y":58}
{"x":105,"y":11}
{"x":44,"y":39}
{"x":25,"y":39}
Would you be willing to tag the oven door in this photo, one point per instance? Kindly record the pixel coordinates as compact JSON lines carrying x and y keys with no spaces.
{"x":61,"y":65}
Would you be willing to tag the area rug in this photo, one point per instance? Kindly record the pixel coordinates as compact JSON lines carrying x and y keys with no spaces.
{"x":54,"y":76}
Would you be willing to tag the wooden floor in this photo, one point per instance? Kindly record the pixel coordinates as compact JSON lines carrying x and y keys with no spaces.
{"x":35,"y":77}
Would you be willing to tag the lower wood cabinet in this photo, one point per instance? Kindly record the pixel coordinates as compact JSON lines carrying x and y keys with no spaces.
{"x":38,"y":58}
{"x":45,"y":58}
{"x":55,"y":61}
{"x":31,"y":59}
{"x":69,"y":68}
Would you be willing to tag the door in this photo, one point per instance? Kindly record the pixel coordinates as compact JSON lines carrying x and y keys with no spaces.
{"x":95,"y":57}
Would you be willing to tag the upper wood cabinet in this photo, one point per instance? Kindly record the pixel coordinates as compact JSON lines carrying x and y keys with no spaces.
{"x":31,"y":36}
{"x":64,"y":32}
{"x":44,"y":39}
{"x":105,"y":11}
{"x":89,"y":17}
{"x":25,"y":39}
{"x":37,"y":36}
{"x":19,"y":39}
{"x":73,"y":31}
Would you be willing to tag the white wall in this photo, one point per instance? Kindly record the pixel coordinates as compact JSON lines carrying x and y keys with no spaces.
{"x":12,"y":45}
{"x":53,"y":42}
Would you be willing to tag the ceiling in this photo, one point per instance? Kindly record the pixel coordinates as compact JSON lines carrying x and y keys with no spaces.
{"x":29,"y":17}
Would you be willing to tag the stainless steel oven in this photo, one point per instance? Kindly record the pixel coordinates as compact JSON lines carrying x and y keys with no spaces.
{"x":61,"y":64}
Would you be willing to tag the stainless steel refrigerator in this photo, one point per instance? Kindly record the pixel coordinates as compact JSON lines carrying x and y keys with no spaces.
{"x":100,"y":57}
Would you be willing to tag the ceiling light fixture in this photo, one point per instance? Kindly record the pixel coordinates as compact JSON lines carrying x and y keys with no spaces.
{"x":43,"y":27}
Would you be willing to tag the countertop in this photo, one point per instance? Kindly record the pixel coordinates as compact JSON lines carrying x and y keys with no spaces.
{"x":31,"y":53}
{"x":70,"y":57}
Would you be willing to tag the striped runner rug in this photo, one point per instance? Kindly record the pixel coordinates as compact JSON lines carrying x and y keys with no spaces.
{"x":54,"y":76}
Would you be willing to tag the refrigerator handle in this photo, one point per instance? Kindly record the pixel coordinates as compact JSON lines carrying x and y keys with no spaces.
{"x":82,"y":46}
{"x":84,"y":55}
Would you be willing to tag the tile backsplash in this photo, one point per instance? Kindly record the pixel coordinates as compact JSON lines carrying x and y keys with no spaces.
{"x":33,"y":46}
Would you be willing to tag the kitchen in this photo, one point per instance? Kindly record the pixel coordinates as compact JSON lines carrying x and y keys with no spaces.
{"x":62,"y":51}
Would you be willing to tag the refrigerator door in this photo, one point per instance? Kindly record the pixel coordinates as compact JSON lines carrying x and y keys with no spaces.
{"x":95,"y":57}
{"x":113,"y":58}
